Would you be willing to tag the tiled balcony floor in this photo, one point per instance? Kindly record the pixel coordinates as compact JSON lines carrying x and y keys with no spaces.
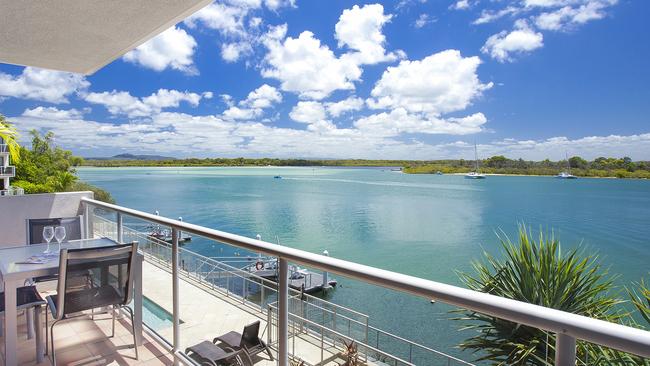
{"x":82,"y":341}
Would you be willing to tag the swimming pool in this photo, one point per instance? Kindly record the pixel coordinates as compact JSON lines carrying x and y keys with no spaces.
{"x":155,"y":316}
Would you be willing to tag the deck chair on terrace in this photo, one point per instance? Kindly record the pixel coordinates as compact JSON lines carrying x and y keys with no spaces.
{"x":248,"y":340}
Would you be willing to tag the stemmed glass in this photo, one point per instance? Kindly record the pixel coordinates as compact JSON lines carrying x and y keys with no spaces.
{"x":48,"y":234}
{"x":59,"y":235}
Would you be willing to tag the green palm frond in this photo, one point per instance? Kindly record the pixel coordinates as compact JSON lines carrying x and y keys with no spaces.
{"x":535,"y":269}
{"x":9,"y":134}
{"x":641,"y":299}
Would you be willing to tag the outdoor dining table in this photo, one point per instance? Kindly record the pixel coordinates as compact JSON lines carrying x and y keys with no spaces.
{"x":14,"y":274}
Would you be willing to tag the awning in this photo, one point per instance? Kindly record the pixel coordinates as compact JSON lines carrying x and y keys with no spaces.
{"x":82,"y":36}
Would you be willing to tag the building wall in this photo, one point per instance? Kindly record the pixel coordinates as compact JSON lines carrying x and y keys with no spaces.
{"x":15,"y":210}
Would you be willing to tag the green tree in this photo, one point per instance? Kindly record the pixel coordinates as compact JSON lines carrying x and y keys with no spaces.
{"x":9,"y":135}
{"x":45,"y":168}
{"x":498,"y":161}
{"x":536,"y":271}
{"x":578,"y":162}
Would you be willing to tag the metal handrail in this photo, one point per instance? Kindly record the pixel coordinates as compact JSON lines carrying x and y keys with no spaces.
{"x":569,"y":327}
{"x":340,"y":335}
{"x":234,"y":271}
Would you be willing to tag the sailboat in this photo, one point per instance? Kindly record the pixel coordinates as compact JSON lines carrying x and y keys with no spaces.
{"x":566,"y":174}
{"x":476,"y":174}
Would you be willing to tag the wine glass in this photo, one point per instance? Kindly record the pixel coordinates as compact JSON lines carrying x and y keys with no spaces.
{"x":59,"y":235}
{"x":48,"y":234}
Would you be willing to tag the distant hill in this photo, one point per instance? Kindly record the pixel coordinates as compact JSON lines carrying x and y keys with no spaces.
{"x":133,"y":157}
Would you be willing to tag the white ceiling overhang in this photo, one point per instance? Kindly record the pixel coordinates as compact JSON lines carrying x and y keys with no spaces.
{"x":82,"y":36}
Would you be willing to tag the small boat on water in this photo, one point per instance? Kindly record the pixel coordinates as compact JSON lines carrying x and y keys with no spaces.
{"x":166,"y":236}
{"x":476,"y":174}
{"x":157,"y":232}
{"x":277,"y":177}
{"x":300,"y":279}
{"x":567,"y":174}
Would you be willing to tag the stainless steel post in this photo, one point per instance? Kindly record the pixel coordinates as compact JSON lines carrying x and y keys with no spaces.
{"x":565,"y":350}
{"x":120,"y":230}
{"x":262,"y":297}
{"x":283,"y":313}
{"x":175,"y":297}
{"x":87,"y":217}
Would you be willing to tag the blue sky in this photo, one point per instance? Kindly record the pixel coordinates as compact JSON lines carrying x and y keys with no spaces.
{"x":411,"y":79}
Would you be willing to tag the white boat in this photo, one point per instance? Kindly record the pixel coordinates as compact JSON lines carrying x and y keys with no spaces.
{"x":476,"y":174}
{"x":567,"y":174}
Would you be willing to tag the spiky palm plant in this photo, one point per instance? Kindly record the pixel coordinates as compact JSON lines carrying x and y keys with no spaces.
{"x":641,"y":300}
{"x":539,"y":272}
{"x":9,"y":134}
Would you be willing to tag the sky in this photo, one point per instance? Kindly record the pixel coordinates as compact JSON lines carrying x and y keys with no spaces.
{"x":409,"y":79}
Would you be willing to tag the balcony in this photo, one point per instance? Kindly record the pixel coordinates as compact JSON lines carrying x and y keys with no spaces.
{"x":7,"y":171}
{"x":12,"y":191}
{"x":190,"y":297}
{"x":315,"y":335}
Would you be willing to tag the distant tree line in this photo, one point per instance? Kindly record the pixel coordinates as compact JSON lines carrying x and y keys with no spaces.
{"x":230,"y":162}
{"x":599,"y":167}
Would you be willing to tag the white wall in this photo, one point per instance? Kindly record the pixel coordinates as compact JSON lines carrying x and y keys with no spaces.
{"x":15,"y":210}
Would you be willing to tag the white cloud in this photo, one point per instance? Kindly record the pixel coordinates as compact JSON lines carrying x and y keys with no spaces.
{"x":460,"y":5}
{"x":253,"y":106}
{"x":399,"y":121}
{"x":423,"y":20}
{"x":335,"y":109}
{"x":44,"y":85}
{"x":554,"y":15}
{"x":237,"y":113}
{"x":440,"y":83}
{"x":263,"y":97}
{"x":308,"y":112}
{"x":235,"y":20}
{"x":488,"y":16}
{"x":277,"y":4}
{"x":227,"y":19}
{"x":233,"y":52}
{"x":305,"y":66}
{"x":123,"y":103}
{"x":173,"y":48}
{"x":546,"y":3}
{"x":53,"y":113}
{"x":567,"y":16}
{"x":523,"y":39}
{"x":212,"y":135}
{"x":360,"y":29}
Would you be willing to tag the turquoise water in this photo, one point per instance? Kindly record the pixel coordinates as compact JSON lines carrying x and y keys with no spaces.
{"x":425,"y":225}
{"x":155,"y":316}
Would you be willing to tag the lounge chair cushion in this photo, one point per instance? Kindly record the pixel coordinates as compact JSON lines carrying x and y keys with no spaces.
{"x":232,"y":339}
{"x":208,"y":351}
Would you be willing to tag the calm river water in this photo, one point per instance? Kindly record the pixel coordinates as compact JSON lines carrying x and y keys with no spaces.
{"x":424,"y":225}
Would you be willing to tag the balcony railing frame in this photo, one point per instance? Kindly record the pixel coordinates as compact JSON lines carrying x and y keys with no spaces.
{"x":9,"y":170}
{"x":569,"y":327}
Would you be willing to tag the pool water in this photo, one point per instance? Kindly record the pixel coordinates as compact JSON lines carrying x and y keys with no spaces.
{"x":155,"y":316}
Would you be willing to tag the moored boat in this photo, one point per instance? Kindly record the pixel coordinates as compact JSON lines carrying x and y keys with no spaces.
{"x":476,"y":174}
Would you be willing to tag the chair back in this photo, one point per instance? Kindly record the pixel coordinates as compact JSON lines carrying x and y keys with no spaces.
{"x":95,"y":277}
{"x":250,"y":336}
{"x":73,"y":228}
